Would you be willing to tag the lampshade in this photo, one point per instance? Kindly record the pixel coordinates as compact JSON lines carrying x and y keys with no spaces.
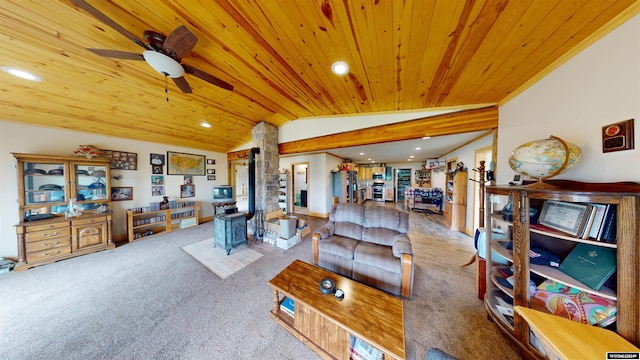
{"x":163,"y":64}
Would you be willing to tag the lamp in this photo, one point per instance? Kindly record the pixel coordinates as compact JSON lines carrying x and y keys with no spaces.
{"x":163,"y":64}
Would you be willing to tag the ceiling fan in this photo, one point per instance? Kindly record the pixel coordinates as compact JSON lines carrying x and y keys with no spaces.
{"x":163,"y":54}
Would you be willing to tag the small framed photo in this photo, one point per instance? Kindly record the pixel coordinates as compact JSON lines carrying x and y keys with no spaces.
{"x":211,"y":161}
{"x":121,"y":193}
{"x":188,"y":180}
{"x":211,"y":171}
{"x":157,"y":180}
{"x":157,"y":159}
{"x":157,"y":190}
{"x":157,"y":169}
{"x":211,"y":177}
{"x":187,"y":191}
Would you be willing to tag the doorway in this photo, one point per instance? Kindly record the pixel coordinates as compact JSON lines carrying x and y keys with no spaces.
{"x":240,"y":182}
{"x":300,"y":187}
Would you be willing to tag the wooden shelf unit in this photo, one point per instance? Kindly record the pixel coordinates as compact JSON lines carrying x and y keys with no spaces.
{"x":144,"y":224}
{"x":46,"y":183}
{"x":626,"y":196}
{"x":455,"y":204}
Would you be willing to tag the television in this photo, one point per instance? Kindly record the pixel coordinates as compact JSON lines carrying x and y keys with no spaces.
{"x":223,"y":193}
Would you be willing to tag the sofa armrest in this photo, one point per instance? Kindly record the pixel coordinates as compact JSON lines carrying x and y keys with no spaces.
{"x":322,"y":233}
{"x":401,"y":245}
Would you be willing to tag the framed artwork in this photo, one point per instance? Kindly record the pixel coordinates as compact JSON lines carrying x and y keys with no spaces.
{"x":185,"y":164}
{"x":121,"y":160}
{"x":211,"y":161}
{"x":188,"y":179}
{"x":157,"y":180}
{"x":187,"y":190}
{"x":157,"y":190}
{"x":563,"y":216}
{"x":120,"y":193}
{"x":211,"y":171}
{"x":157,"y":169}
{"x":211,"y":177}
{"x":157,"y":159}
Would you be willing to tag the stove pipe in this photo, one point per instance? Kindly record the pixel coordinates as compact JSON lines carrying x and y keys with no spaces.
{"x":252,"y":182}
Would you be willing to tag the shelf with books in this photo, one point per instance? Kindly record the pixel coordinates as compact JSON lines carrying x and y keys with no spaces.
{"x":144,"y":222}
{"x":498,"y":305}
{"x":575,"y":216}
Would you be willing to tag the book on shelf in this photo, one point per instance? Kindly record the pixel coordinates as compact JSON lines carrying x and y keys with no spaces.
{"x":287,"y":305}
{"x":592,"y":265}
{"x":565,"y":301}
{"x":597,"y":220}
{"x":591,"y":215}
{"x":608,"y":230}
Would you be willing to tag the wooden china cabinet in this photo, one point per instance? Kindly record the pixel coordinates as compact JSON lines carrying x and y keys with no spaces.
{"x":48,"y":231}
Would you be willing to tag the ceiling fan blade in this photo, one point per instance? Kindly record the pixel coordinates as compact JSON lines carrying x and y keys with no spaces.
{"x":102,"y":17}
{"x":182,"y":83}
{"x":179,"y":43}
{"x":207,"y":77}
{"x":117,"y":54}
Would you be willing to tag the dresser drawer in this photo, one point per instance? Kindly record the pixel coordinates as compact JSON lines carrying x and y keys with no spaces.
{"x":48,"y":253}
{"x":47,"y":226}
{"x":33,"y":246}
{"x":95,"y":220}
{"x":49,"y":233}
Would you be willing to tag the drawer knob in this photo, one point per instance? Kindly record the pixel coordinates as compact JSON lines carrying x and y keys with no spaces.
{"x":50,"y":245}
{"x":51,"y":253}
{"x":49,"y":235}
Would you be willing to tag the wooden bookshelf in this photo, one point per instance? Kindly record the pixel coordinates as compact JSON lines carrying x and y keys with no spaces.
{"x":143,"y":223}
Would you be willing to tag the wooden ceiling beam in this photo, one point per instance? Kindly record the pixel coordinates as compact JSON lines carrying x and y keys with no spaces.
{"x":446,"y":124}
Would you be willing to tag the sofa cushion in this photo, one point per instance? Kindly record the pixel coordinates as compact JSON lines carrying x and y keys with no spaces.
{"x":348,"y":220}
{"x":382,"y":224}
{"x":375,"y":255}
{"x":339,"y":246}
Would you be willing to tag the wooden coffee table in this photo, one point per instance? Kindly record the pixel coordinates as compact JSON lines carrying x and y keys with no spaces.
{"x":326,"y":324}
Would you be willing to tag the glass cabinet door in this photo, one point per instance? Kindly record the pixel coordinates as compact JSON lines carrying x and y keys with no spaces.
{"x":44,"y":187}
{"x":90,"y":185}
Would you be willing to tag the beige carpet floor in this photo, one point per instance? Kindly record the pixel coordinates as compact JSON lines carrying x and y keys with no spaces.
{"x":217,"y":260}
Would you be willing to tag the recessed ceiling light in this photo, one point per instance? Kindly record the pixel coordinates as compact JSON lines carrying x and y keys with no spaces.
{"x":418,"y":148}
{"x":369,"y":159}
{"x":340,"y":68}
{"x":409,"y":159}
{"x":361,"y":153}
{"x":372,"y":161}
{"x":412,"y":156}
{"x":426,"y":137}
{"x":205,"y":124}
{"x":21,"y":74}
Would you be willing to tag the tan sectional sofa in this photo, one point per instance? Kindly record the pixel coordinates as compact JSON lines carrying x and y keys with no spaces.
{"x":367,"y":243}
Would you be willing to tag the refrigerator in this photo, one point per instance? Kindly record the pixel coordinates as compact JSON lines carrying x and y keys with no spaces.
{"x":345,"y":186}
{"x":403,"y":181}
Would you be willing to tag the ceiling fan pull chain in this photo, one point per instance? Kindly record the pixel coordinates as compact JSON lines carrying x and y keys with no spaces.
{"x":166,"y":88}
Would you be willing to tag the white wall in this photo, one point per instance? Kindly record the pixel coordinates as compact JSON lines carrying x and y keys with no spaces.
{"x":598,"y":87}
{"x":39,"y":140}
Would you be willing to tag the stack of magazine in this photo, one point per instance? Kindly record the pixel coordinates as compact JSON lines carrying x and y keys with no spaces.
{"x":360,"y":350}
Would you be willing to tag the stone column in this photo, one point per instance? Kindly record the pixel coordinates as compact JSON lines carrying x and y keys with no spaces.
{"x":265,"y":137}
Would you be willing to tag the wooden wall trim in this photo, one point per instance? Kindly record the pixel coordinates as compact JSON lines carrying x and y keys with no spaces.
{"x":445,"y":124}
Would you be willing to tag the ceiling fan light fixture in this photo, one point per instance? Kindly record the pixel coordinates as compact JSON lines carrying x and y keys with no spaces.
{"x":163,"y":64}
{"x":340,"y":68}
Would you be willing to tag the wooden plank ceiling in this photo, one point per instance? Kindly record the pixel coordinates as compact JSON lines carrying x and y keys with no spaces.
{"x":411,"y":54}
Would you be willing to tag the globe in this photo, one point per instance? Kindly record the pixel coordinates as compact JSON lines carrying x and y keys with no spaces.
{"x":544,"y":159}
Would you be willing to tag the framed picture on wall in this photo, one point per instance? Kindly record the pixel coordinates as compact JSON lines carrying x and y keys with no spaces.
{"x":121,"y":193}
{"x":187,"y":190}
{"x":211,"y":177}
{"x":157,"y":159}
{"x":157,"y":180}
{"x":185,"y":164}
{"x":157,"y":190}
{"x":157,"y":169}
